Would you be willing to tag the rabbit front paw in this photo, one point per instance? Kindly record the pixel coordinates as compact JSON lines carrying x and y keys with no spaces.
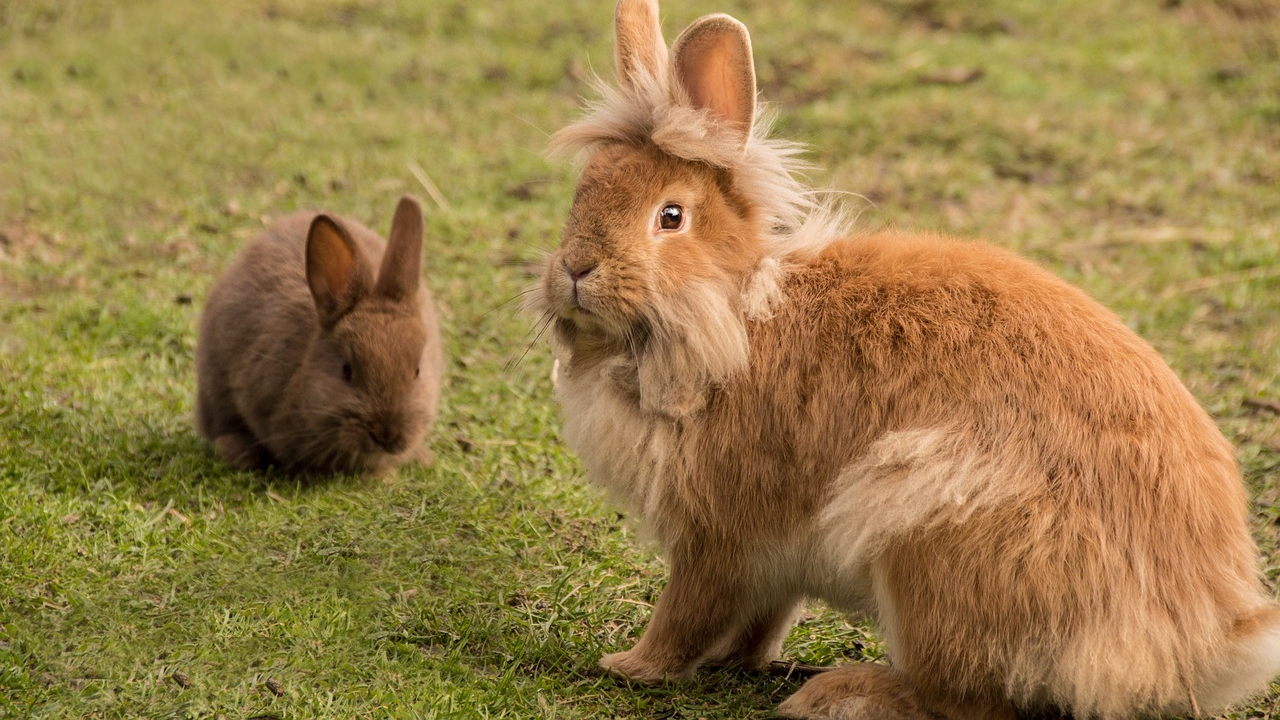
{"x":746,"y":658}
{"x":632,"y":665}
{"x":423,"y":456}
{"x":241,"y":451}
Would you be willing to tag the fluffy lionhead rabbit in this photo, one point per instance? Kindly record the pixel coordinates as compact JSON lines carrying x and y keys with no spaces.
{"x":320,"y":350}
{"x":933,"y":433}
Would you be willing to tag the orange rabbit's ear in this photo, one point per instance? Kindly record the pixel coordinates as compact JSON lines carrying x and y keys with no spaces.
{"x":713,"y":65}
{"x":638,"y":47}
{"x":398,"y":277}
{"x":337,"y":272}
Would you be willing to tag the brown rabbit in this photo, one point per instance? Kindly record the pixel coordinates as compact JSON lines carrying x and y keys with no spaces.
{"x":309,"y":361}
{"x":929,"y":432}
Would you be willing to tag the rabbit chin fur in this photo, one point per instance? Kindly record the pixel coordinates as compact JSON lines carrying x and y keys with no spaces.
{"x":933,"y":433}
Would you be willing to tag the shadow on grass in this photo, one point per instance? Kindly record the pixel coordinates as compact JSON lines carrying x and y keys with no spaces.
{"x":78,"y":448}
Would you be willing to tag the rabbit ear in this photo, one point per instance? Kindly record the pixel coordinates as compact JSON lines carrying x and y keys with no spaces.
{"x":337,"y":271}
{"x":398,"y":278}
{"x":639,"y":47}
{"x":713,"y":65}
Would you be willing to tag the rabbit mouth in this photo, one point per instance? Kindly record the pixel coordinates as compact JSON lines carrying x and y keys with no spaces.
{"x":589,"y":307}
{"x":594,"y":322}
{"x":569,"y":308}
{"x":601,"y":332}
{"x":579,"y":315}
{"x":382,"y":440}
{"x":372,"y":442}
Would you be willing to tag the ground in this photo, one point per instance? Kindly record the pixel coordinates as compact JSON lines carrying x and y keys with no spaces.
{"x":1133,"y":148}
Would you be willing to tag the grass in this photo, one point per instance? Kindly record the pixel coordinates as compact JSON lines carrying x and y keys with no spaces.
{"x":1134,"y":148}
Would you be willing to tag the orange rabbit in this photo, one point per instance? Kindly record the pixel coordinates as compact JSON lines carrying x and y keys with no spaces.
{"x":930,"y":432}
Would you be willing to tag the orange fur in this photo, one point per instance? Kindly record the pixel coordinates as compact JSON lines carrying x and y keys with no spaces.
{"x":874,"y":692}
{"x":933,"y":433}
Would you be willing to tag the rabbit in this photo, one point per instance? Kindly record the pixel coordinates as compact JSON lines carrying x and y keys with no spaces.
{"x":309,"y":361}
{"x":929,"y":432}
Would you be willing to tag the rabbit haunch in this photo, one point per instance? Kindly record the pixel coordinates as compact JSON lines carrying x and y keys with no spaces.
{"x":933,"y":433}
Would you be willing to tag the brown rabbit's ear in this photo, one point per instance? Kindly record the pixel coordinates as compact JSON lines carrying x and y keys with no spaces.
{"x":399,"y":275}
{"x":337,"y":271}
{"x":638,"y":46}
{"x":713,"y":64}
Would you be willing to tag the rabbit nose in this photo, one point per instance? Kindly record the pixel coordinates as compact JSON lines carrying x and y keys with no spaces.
{"x":576,"y":274}
{"x":390,"y":440}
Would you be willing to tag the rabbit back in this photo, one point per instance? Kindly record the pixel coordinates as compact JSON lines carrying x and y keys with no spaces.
{"x":257,"y":323}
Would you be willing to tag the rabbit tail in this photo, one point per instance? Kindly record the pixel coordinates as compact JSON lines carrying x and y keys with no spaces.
{"x":1251,"y":660}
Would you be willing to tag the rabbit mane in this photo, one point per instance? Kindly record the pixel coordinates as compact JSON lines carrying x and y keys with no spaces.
{"x":701,"y":336}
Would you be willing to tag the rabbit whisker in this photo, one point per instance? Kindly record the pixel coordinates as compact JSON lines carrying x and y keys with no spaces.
{"x":632,"y":343}
{"x":264,"y":356}
{"x":834,"y":191}
{"x":548,"y":316}
{"x":543,"y":320}
{"x":542,"y":252}
{"x":508,"y":301}
{"x":315,"y":435}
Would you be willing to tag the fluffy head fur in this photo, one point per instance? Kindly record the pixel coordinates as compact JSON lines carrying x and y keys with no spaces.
{"x":309,"y":360}
{"x":933,"y":433}
{"x":652,"y":105}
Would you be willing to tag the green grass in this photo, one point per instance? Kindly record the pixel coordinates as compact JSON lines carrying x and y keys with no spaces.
{"x":1134,"y":148}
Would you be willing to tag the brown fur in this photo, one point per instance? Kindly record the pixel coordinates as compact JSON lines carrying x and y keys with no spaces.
{"x":933,"y":433}
{"x":298,"y":303}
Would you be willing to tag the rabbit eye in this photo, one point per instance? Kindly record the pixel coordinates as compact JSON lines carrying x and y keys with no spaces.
{"x":346,"y":372}
{"x":671,"y":217}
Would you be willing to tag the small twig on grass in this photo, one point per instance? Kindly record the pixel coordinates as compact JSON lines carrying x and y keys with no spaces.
{"x":1258,"y":273}
{"x":953,"y":76}
{"x":793,"y":669}
{"x":1157,"y":236}
{"x":430,"y":187}
{"x":1261,"y":405}
{"x":161,"y":515}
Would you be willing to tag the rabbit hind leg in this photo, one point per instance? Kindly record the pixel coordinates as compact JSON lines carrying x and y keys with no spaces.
{"x":759,"y":641}
{"x":874,"y":692}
